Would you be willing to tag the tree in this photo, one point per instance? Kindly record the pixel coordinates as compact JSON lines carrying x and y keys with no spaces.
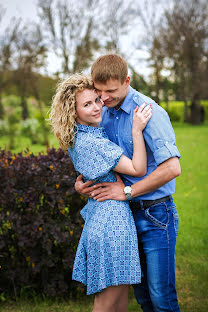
{"x":76,"y":30}
{"x":29,"y":58}
{"x":150,"y":13}
{"x":118,"y":19}
{"x":70,"y":30}
{"x":7,"y":46}
{"x":138,"y":82}
{"x":184,"y":35}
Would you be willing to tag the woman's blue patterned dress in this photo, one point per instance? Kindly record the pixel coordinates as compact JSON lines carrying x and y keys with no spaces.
{"x":107,"y":253}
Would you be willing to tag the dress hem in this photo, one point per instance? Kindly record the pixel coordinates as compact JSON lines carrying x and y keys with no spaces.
{"x":111,"y":284}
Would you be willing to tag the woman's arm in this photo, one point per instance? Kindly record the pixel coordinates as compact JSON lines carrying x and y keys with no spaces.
{"x":138,"y":165}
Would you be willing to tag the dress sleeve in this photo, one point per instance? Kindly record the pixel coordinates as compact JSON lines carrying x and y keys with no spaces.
{"x":95,"y":157}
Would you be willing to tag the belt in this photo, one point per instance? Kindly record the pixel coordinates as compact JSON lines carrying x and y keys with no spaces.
{"x":144,"y":204}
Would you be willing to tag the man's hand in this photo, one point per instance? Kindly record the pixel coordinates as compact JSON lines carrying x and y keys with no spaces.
{"x":83,"y":188}
{"x":109,"y":190}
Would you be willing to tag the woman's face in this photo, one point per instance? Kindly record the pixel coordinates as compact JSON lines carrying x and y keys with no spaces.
{"x":88,"y":108}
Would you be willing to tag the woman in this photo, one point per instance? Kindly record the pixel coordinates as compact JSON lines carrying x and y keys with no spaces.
{"x":107,"y":258}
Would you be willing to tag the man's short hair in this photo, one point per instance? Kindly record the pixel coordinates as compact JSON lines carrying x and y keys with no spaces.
{"x":109,"y":66}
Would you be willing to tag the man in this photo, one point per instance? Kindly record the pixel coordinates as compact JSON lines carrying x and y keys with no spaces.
{"x":150,"y":197}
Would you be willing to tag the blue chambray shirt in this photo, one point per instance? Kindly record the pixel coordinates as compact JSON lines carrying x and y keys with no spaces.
{"x":158,"y":134}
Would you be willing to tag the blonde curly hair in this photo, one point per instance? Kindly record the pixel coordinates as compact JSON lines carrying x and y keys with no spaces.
{"x":63,"y":109}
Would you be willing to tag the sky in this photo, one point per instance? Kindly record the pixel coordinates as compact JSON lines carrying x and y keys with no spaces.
{"x":27,"y":10}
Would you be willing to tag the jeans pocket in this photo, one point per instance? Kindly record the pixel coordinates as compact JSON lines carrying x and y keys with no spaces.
{"x":176,"y":221}
{"x":158,"y":215}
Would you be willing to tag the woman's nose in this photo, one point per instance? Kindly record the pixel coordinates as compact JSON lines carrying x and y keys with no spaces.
{"x":96,"y":106}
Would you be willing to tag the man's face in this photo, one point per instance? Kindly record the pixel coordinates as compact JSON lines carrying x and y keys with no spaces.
{"x":113,"y":92}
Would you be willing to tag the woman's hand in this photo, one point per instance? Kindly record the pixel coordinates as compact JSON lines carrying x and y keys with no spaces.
{"x":142,"y":115}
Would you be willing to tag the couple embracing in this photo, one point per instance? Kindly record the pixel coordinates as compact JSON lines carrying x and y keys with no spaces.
{"x":123,"y":146}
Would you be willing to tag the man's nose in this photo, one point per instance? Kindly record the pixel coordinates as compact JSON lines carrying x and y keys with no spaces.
{"x":104,"y":96}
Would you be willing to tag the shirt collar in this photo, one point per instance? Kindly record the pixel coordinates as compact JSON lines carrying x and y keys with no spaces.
{"x":125,"y":106}
{"x":97,"y":131}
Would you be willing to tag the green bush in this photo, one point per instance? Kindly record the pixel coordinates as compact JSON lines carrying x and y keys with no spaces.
{"x":4,"y":127}
{"x":40,"y":224}
{"x":175,"y":115}
{"x":205,"y":104}
{"x":32,"y":129}
{"x":175,"y":109}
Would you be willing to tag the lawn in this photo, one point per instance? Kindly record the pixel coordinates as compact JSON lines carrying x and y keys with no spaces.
{"x":191,"y":253}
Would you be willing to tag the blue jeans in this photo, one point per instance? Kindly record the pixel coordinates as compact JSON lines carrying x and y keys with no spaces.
{"x":157,"y":228}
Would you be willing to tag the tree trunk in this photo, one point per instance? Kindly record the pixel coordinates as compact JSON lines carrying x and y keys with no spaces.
{"x":1,"y":108}
{"x":186,"y":112}
{"x":43,"y":124}
{"x":45,"y":132}
{"x":195,"y":110}
{"x":24,"y":108}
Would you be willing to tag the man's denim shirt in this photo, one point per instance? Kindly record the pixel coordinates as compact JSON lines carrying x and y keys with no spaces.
{"x":158,"y":134}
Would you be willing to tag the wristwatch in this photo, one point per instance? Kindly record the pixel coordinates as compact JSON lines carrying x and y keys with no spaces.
{"x":127,"y":191}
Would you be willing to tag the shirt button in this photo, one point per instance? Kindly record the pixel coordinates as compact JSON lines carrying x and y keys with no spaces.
{"x":116,"y":135}
{"x":116,"y":117}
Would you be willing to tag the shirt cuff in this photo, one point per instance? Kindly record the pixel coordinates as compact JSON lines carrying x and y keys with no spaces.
{"x":165,"y":152}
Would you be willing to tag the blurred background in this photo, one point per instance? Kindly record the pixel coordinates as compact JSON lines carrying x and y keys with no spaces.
{"x":164,"y":42}
{"x":166,"y":46}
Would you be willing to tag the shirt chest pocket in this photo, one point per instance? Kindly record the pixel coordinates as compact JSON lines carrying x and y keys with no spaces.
{"x":127,"y":145}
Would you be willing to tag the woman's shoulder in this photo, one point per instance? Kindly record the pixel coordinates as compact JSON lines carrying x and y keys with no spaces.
{"x":85,"y":138}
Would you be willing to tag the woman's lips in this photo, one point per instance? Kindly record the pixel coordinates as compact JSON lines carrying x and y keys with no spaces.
{"x":97,"y":115}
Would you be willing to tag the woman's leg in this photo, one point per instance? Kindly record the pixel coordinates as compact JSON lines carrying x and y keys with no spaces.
{"x":112,"y":299}
{"x":122,"y":305}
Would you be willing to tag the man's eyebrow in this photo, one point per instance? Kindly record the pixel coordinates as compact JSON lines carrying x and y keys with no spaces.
{"x":111,"y":89}
{"x":107,"y":90}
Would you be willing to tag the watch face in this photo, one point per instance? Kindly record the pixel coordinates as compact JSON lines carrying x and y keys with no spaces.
{"x":127,"y":189}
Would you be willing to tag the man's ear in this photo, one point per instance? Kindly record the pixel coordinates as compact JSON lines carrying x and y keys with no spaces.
{"x":127,"y":80}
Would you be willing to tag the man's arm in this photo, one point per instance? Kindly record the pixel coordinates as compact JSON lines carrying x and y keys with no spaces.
{"x":164,"y":173}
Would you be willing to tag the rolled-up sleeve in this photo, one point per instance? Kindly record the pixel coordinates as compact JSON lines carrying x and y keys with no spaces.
{"x":160,"y":136}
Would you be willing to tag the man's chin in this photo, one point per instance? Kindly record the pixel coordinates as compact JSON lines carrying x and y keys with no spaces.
{"x":107,"y":104}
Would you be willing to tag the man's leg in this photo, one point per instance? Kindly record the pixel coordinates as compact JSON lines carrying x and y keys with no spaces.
{"x":157,"y":229}
{"x":141,"y":291}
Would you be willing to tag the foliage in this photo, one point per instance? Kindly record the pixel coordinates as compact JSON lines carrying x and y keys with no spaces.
{"x":34,"y":127}
{"x":39,"y":222}
{"x":31,"y":128}
{"x":183,"y":38}
{"x":73,"y":29}
{"x":175,"y":109}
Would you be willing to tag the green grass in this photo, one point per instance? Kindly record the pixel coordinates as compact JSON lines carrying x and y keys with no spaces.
{"x":47,"y":305}
{"x":191,"y":253}
{"x":83,"y":304}
{"x":191,"y":198}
